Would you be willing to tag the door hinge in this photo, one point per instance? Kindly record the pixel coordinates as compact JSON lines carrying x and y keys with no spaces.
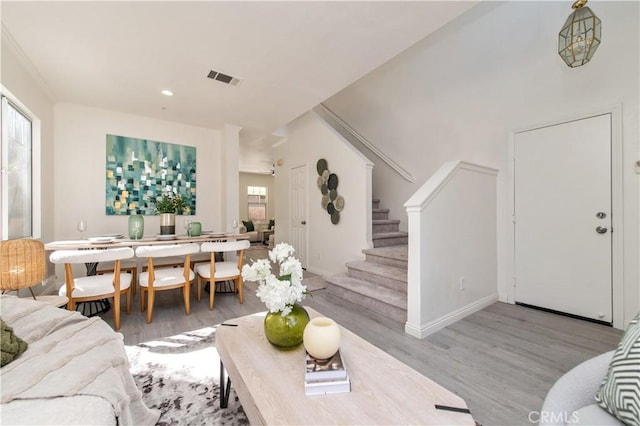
{"x":513,"y":218}
{"x":513,"y":282}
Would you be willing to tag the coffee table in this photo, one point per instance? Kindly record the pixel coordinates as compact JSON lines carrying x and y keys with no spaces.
{"x":270,"y":383}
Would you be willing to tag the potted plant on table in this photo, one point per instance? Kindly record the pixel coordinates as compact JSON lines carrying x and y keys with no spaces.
{"x":167,"y":206}
{"x":285,"y":322}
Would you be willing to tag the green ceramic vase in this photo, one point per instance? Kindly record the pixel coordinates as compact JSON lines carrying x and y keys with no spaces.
{"x":136,"y":226}
{"x":285,"y":332}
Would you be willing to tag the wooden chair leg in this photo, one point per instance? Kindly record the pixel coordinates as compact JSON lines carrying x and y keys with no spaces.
{"x":199,"y":292}
{"x":128,"y":300}
{"x":186,"y":293}
{"x":212,"y":293}
{"x":143,"y":298}
{"x":116,"y":310}
{"x":152,"y":295}
{"x":239,"y":288}
{"x":134,"y":280}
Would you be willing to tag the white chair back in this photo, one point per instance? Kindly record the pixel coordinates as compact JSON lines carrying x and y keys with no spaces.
{"x":167,"y":250}
{"x":91,"y":256}
{"x":225,"y":246}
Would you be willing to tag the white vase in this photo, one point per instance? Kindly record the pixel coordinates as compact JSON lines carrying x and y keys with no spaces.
{"x":321,"y":338}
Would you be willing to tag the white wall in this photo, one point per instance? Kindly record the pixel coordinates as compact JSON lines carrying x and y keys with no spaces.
{"x":308,"y":139}
{"x":452,"y":269}
{"x":458,"y":94}
{"x":79,"y":172}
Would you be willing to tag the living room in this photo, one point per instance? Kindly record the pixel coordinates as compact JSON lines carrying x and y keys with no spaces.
{"x":456,"y":94}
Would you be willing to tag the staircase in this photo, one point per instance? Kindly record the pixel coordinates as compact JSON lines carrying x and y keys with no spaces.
{"x":378,"y":283}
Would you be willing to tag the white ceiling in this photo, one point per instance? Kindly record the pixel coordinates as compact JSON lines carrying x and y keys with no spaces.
{"x":290,"y":56}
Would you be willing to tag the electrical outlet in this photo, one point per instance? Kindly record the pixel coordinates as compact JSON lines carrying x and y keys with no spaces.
{"x":461,"y":283}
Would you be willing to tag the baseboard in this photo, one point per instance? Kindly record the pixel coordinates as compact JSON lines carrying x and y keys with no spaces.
{"x":439,"y":323}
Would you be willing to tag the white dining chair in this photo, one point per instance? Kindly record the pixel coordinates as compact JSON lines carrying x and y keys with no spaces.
{"x":156,"y":278}
{"x":215,"y":271}
{"x":95,"y":287}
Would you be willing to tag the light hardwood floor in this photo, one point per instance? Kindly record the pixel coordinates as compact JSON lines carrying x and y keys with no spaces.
{"x":501,"y":360}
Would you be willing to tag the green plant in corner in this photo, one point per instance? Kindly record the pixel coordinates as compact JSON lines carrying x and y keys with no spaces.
{"x":169,"y":203}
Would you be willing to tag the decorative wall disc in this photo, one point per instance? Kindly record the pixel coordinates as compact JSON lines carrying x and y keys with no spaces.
{"x":324,"y":189}
{"x":321,"y":166}
{"x":330,"y":208}
{"x":333,"y":194}
{"x":319,"y":181}
{"x":339,"y":203}
{"x":333,"y":181}
{"x":335,"y":218}
{"x":325,"y":176}
{"x":324,"y":202}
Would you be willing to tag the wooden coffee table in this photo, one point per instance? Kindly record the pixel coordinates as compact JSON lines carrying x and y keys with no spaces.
{"x":270,"y":383}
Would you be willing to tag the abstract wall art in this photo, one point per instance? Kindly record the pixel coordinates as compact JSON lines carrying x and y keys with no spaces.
{"x":140,"y":170}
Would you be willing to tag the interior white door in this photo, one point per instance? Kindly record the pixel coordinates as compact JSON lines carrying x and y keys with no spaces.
{"x":563,"y":250}
{"x":298,"y":179}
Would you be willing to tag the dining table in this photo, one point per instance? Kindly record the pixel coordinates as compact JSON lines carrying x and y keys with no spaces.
{"x":118,"y":240}
{"x":107,"y":241}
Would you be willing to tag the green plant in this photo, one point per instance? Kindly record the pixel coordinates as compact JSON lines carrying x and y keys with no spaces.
{"x":169,"y":203}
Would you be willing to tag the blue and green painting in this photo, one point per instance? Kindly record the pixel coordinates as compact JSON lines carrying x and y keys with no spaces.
{"x":140,"y":170}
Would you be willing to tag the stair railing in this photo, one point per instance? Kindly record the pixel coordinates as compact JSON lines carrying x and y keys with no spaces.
{"x":349,"y":132}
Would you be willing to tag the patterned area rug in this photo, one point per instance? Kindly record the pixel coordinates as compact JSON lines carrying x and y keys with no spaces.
{"x":179,"y":375}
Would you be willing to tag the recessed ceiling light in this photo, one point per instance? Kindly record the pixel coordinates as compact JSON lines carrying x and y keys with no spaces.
{"x":167,"y":92}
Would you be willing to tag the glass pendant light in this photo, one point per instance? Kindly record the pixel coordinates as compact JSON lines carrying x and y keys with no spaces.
{"x":580,"y":35}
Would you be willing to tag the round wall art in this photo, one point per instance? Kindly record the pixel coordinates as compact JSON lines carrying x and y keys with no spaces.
{"x":327,"y":182}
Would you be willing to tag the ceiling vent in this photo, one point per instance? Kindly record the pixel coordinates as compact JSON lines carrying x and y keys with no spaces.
{"x":223,"y":78}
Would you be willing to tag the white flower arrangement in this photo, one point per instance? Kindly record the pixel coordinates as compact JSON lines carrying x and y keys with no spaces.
{"x":281,"y":292}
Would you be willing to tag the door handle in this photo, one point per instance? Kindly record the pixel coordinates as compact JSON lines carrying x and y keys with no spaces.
{"x":601,"y":229}
{"x":304,"y":222}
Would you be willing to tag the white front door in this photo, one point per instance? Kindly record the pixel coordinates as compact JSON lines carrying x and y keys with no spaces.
{"x":562,"y":193}
{"x":299,"y":212}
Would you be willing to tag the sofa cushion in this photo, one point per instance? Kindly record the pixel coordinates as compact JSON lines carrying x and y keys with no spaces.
{"x":260,"y":225}
{"x":12,"y":345}
{"x":619,"y":392}
{"x":248,"y":225}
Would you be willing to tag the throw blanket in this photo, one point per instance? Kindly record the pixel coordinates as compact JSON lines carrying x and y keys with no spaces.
{"x":69,"y":355}
{"x":12,"y":345}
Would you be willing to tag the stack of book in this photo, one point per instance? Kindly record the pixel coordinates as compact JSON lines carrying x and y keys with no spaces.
{"x":323,"y":376}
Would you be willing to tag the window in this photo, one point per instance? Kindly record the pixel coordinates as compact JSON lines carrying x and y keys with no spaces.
{"x":16,"y":155}
{"x":257,"y":202}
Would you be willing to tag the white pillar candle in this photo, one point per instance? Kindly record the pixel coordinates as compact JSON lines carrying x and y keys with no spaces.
{"x":321,"y":338}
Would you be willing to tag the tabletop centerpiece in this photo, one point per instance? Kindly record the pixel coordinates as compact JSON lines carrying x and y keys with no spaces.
{"x":285,"y":322}
{"x":167,"y":206}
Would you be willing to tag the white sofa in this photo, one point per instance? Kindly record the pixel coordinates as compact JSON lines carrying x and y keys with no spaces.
{"x":74,"y":371}
{"x":258,"y":225}
{"x":571,"y":399}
